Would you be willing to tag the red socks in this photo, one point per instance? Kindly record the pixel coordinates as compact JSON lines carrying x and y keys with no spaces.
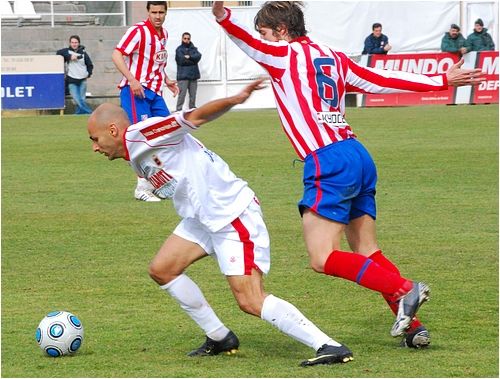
{"x":367,"y":273}
{"x":379,"y":258}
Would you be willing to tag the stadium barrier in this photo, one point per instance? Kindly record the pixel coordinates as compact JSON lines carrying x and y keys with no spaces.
{"x":431,"y":64}
{"x":32,"y":82}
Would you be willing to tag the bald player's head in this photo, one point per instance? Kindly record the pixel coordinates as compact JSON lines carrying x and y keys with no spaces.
{"x":106,"y":126}
{"x":108,"y":113}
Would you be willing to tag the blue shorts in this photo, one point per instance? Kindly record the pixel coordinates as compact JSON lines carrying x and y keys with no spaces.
{"x":153,"y":105}
{"x":339,"y":182}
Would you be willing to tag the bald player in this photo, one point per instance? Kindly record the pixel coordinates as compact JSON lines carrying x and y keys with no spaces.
{"x":225,"y":222}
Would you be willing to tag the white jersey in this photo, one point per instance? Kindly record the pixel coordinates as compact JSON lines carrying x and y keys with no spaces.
{"x":181,"y":168}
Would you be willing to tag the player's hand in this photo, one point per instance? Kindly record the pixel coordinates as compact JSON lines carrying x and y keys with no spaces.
{"x":247,"y":91}
{"x":218,"y":9}
{"x":463,"y":77}
{"x":136,"y":88}
{"x":172,"y":86}
{"x":387,"y":47}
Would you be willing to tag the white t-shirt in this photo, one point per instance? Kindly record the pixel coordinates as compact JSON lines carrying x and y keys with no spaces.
{"x":181,"y":168}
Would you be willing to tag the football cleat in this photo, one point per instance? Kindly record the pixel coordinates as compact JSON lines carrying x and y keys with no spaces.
{"x":229,"y":345}
{"x":408,"y":307}
{"x":418,"y":338}
{"x":145,"y":195}
{"x":328,"y":354}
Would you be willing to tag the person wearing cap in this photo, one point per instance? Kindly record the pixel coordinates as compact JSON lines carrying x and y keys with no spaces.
{"x":479,"y":39}
{"x":453,"y":41}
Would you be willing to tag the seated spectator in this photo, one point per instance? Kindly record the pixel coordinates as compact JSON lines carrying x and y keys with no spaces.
{"x":376,"y":43}
{"x":479,"y":39}
{"x":453,"y":41}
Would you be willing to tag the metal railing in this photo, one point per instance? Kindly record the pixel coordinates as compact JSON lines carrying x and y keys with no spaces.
{"x":53,"y":13}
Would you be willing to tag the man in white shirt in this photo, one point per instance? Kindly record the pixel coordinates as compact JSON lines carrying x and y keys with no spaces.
{"x":220,"y":216}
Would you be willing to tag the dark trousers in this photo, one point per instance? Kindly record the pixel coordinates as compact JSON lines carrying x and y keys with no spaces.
{"x":184,"y":87}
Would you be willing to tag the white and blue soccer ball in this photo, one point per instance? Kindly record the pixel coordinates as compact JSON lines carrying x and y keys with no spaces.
{"x":59,"y":333}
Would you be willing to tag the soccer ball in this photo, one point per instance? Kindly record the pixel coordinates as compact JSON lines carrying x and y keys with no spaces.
{"x":59,"y":333}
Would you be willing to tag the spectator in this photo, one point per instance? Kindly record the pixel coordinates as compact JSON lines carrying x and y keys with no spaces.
{"x":453,"y":41}
{"x":78,"y":69}
{"x":187,"y":57}
{"x":376,"y":43}
{"x":479,"y":39}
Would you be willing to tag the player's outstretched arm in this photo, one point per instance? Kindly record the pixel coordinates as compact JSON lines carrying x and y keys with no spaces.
{"x":216,"y":108}
{"x":458,"y":76}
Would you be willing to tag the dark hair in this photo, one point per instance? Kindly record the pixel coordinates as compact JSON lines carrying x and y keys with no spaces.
{"x":186,"y":34}
{"x":479,"y":22}
{"x":75,"y":37}
{"x":376,"y":25}
{"x":273,"y":14}
{"x":455,"y":26}
{"x":156,"y":3}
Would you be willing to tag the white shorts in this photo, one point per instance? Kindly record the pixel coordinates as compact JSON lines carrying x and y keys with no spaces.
{"x":238,"y":247}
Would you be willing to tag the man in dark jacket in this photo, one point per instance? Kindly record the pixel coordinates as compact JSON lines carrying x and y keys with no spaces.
{"x":376,"y":43}
{"x":480,"y":39}
{"x":453,"y":41}
{"x":187,"y":57}
{"x":78,"y":69}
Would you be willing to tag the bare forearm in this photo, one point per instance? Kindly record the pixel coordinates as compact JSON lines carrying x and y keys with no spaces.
{"x":217,"y":108}
{"x":211,"y":110}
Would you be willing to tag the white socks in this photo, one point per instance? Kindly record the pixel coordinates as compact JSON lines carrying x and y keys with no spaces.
{"x":191,"y":299}
{"x":143,"y":183}
{"x":280,"y":313}
{"x":293,"y":323}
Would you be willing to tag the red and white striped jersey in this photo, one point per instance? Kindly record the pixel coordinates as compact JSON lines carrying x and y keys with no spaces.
{"x":199,"y":182}
{"x":310,"y":81}
{"x":145,"y":54}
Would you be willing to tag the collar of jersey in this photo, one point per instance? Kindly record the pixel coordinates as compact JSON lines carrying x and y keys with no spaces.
{"x":153,"y":30}
{"x":127,"y":154}
{"x":301,"y":39}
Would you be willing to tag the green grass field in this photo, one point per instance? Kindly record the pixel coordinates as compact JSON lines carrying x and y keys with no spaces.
{"x":74,"y":239}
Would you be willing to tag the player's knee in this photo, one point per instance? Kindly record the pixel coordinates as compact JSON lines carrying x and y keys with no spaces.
{"x":159,"y":274}
{"x":154,"y":273}
{"x":317,"y":265}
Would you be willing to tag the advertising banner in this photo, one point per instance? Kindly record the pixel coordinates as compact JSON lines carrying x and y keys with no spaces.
{"x":425,"y":63}
{"x":432,"y":64}
{"x":32,"y":82}
{"x":486,"y":92}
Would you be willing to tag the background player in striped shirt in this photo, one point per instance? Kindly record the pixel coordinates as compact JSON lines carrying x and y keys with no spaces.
{"x":310,"y":81}
{"x":141,"y":56}
{"x":225,"y":221}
